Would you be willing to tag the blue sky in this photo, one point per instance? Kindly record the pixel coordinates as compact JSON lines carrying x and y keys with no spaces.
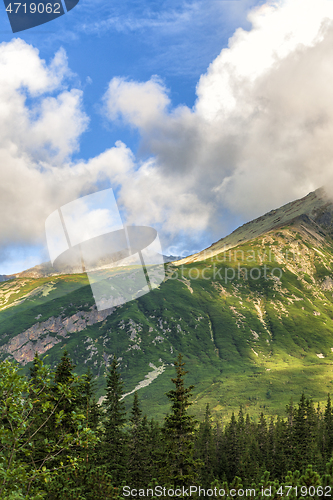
{"x":175,"y":40}
{"x":136,"y":39}
{"x":166,"y":54}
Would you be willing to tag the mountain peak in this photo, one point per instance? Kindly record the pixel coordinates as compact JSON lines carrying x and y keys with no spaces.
{"x":316,"y":206}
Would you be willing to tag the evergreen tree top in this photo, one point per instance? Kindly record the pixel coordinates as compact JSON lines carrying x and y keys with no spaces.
{"x":64,"y":371}
{"x":113,"y":402}
{"x":136,"y":411}
{"x":178,"y":420}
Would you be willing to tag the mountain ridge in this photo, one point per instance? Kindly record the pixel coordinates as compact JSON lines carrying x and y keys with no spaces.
{"x":47,"y":270}
{"x":308,"y":205}
{"x":254,"y":322}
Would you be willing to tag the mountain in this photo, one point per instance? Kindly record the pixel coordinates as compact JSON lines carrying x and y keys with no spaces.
{"x":252,"y":315}
{"x":316,"y":205}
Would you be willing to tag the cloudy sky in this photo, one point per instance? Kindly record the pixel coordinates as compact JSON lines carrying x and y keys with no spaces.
{"x":200,"y":114}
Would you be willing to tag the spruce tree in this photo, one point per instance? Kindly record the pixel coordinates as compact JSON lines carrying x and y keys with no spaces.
{"x":206,"y":450}
{"x":241,"y":440}
{"x":303,"y":435}
{"x":262,"y":436}
{"x":312,"y":420}
{"x":88,"y":406}
{"x":114,"y":438}
{"x":283,"y":450}
{"x":231,"y":448}
{"x":155,"y":449}
{"x":179,"y":432}
{"x":328,"y":429}
{"x":37,"y":443}
{"x":33,"y":370}
{"x":64,"y":377}
{"x":64,"y":370}
{"x":249,"y":468}
{"x":63,"y":398}
{"x":271,"y":448}
{"x":138,"y":460}
{"x":89,"y":403}
{"x":90,"y":479}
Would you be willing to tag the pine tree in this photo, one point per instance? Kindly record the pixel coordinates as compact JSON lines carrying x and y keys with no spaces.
{"x":301,"y":438}
{"x":33,"y":370}
{"x":87,"y":402}
{"x":89,"y":477}
{"x":179,"y":432}
{"x":313,"y":428}
{"x":290,"y":413}
{"x":155,"y":449}
{"x":262,"y":436}
{"x":250,"y":461}
{"x":220,"y":451}
{"x":64,"y":370}
{"x":63,"y":398}
{"x":286,"y":437}
{"x":64,"y":378}
{"x":138,"y":443}
{"x":282,"y":448}
{"x":206,"y":450}
{"x":241,"y":440}
{"x":271,"y":448}
{"x":114,"y":438}
{"x":328,"y":432}
{"x":36,"y":388}
{"x":231,"y":448}
{"x":88,"y":406}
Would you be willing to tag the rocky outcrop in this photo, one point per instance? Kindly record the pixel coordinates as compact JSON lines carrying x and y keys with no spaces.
{"x":42,"y":336}
{"x":327,"y":284}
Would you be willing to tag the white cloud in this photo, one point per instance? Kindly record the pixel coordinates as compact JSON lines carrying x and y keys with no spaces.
{"x":260,"y":133}
{"x":140,"y":104}
{"x":59,"y":125}
{"x":150,"y":197}
{"x":22,"y":68}
{"x":39,"y":132}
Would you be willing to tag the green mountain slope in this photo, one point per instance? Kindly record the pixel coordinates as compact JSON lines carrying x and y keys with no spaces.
{"x":254,"y":323}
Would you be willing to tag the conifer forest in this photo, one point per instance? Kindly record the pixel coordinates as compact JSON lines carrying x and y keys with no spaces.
{"x":58,"y":443}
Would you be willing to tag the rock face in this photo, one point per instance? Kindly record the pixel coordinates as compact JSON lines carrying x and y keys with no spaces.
{"x":327,"y":284}
{"x":43,"y":336}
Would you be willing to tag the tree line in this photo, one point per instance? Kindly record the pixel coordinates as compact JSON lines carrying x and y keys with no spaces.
{"x":57,"y":442}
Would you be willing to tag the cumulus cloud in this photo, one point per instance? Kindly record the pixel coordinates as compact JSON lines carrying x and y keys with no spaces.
{"x":41,"y":122}
{"x":260,"y":133}
{"x":139,"y":104}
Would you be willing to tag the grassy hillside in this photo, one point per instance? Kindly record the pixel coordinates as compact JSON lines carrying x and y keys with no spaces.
{"x":249,"y":335}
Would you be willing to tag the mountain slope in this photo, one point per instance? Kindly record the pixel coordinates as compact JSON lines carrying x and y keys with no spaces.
{"x":255,"y":323}
{"x":315,"y":205}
